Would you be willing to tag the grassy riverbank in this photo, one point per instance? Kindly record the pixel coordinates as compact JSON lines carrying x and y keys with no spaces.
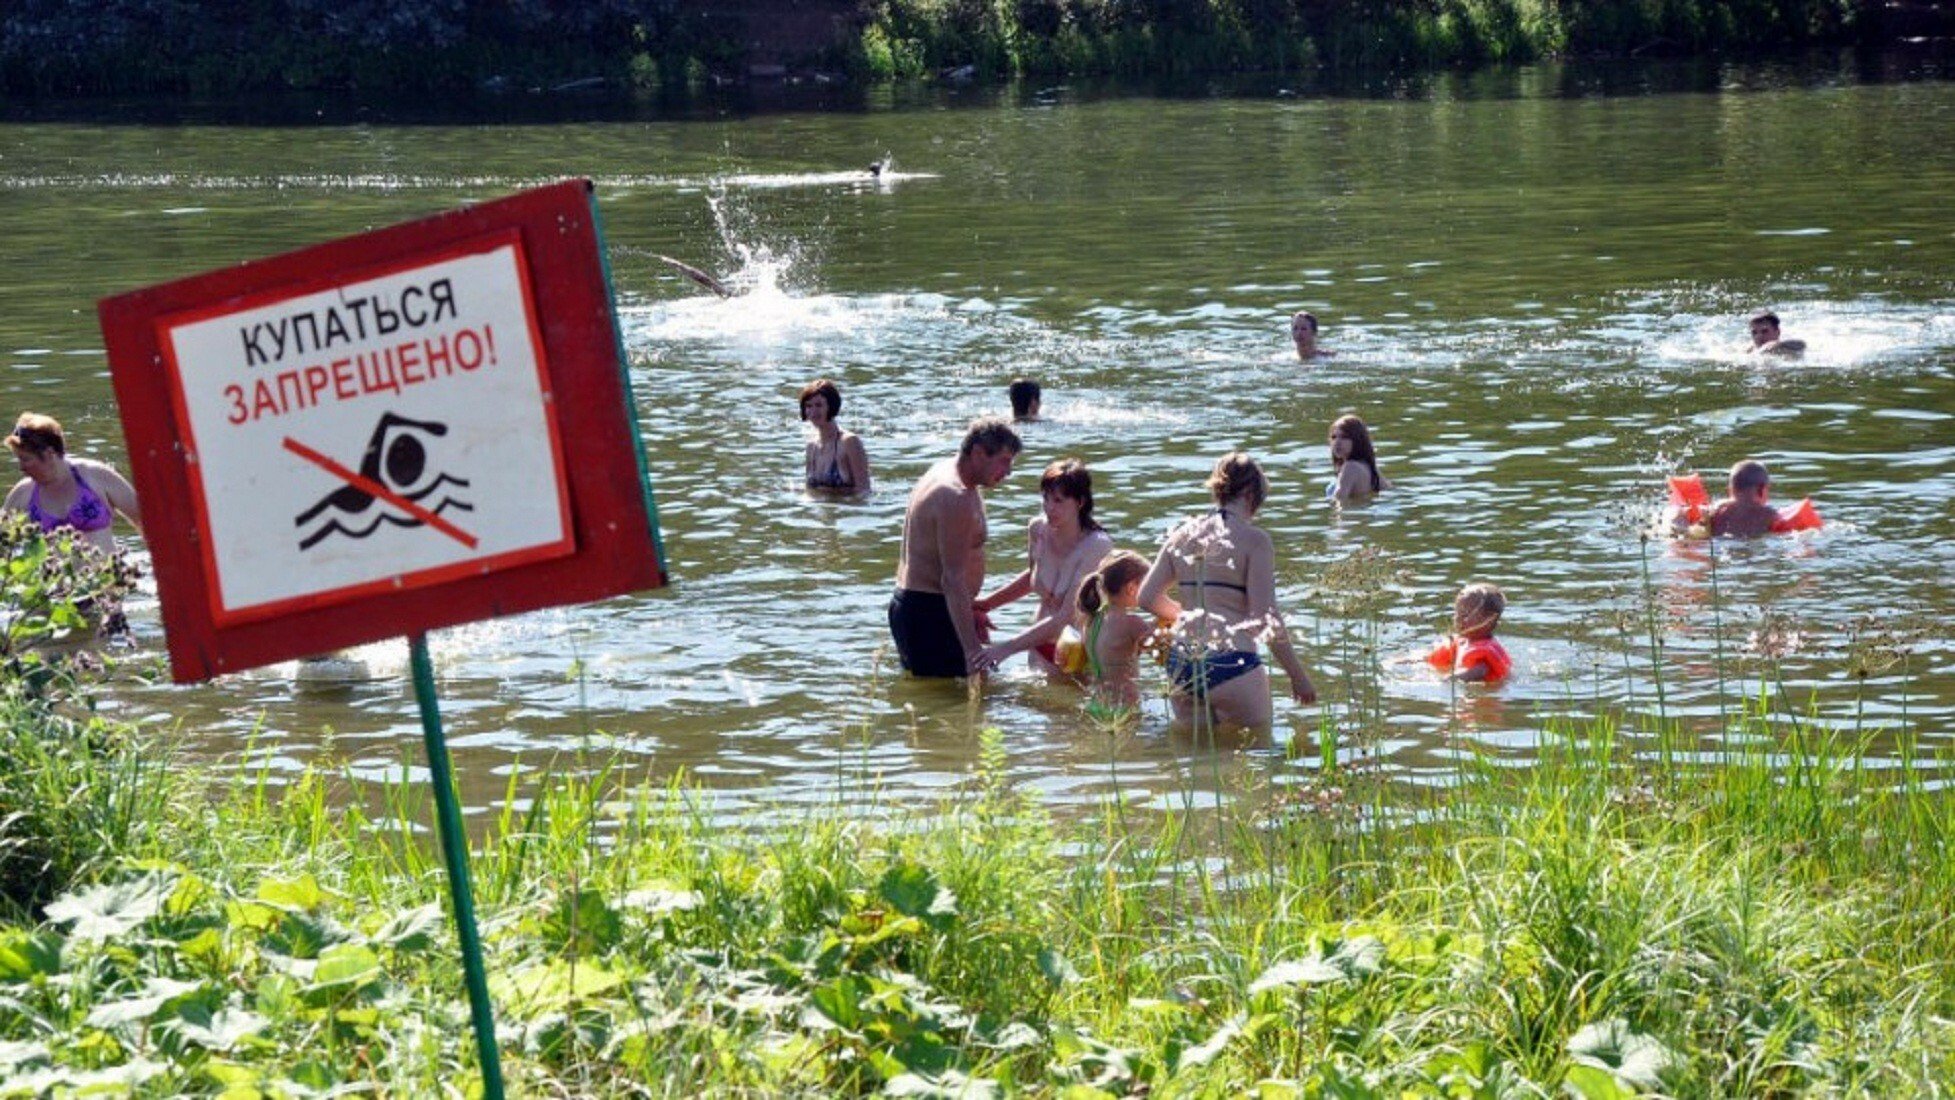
{"x":199,"y":46}
{"x":1624,"y":916}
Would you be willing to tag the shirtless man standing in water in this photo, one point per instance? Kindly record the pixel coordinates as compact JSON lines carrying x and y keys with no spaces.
{"x":941,"y":571}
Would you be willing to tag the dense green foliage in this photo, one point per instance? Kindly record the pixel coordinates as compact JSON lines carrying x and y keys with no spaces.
{"x":1758,"y":914}
{"x":72,"y":786}
{"x":914,"y":37}
{"x":377,"y":45}
{"x":418,"y":45}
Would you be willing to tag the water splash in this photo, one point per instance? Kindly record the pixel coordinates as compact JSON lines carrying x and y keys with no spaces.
{"x":763,"y":268}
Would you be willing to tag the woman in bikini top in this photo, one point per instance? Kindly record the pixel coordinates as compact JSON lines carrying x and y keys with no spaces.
{"x":1065,"y":544}
{"x":58,"y":491}
{"x":836,"y":461}
{"x":1223,"y":569}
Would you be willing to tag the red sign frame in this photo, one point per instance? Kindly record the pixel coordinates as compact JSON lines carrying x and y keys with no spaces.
{"x":611,"y":524}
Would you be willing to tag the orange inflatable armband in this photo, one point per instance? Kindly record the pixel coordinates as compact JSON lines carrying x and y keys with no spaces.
{"x":1688,"y":497}
{"x":1443,"y":654}
{"x":1803,"y":516}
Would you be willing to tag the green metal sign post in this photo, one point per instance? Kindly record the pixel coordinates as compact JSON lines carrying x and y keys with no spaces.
{"x":454,"y":852}
{"x":501,"y":371}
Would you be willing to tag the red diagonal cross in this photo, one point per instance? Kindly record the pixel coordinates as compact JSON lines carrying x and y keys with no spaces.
{"x":374,"y":489}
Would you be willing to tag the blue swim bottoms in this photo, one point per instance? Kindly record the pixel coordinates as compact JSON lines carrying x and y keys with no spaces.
{"x":1201,"y":673}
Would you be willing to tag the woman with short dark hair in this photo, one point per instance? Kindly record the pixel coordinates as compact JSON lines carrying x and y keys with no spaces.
{"x":836,"y":461}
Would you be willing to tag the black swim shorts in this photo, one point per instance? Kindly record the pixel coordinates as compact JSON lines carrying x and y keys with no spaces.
{"x":926,"y":642}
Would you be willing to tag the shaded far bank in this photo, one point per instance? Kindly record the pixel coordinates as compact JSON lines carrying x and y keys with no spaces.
{"x":199,"y":47}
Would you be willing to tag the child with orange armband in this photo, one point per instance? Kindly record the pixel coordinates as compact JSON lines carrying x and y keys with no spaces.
{"x":1470,"y":653}
{"x":1743,"y":514}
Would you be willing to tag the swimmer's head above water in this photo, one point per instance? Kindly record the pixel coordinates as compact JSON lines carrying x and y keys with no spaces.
{"x":1303,"y":330}
{"x":1477,"y":610}
{"x":821,"y":395}
{"x":1025,"y":397}
{"x":1238,"y":480}
{"x":1750,"y":481}
{"x":1766,"y":339}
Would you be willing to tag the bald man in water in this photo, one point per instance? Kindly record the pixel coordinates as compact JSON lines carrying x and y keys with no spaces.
{"x":933,"y":616}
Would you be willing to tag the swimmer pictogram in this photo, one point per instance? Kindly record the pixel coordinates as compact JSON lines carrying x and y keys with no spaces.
{"x":392,"y":486}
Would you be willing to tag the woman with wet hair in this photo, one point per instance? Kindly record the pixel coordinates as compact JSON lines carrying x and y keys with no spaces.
{"x":836,"y":462}
{"x":56,"y":491}
{"x":1224,"y":570}
{"x":1354,"y":461}
{"x":1065,"y":545}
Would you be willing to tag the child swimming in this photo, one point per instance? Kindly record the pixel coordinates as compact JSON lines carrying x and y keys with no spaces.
{"x":1743,"y":514}
{"x":1470,"y":653}
{"x":1112,"y":630}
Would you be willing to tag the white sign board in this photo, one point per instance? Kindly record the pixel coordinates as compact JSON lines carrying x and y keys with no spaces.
{"x":356,"y":437}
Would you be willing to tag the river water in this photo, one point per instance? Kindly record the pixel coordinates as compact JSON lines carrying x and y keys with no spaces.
{"x":1536,"y":282}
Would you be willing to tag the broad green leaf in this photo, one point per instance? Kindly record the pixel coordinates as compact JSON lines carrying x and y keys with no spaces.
{"x":250,"y":916}
{"x":1351,"y":959}
{"x":1638,"y":1059}
{"x":1017,"y":1035}
{"x":659,"y":898}
{"x":841,"y":1000}
{"x":314,"y":1074}
{"x":277,"y":995}
{"x":299,"y":936}
{"x":412,"y":931}
{"x":547,"y":987}
{"x":1289,"y":975}
{"x":584,"y":923}
{"x":1359,"y":956}
{"x":348,"y":964}
{"x":230,"y":1074}
{"x":914,"y":891}
{"x":24,"y":954}
{"x":1205,"y":1053}
{"x":218,"y":1027}
{"x":206,"y":947}
{"x":949,"y":1085}
{"x":18,"y":1056}
{"x":118,"y":1080}
{"x":141,"y":1008}
{"x":1594,"y":1083}
{"x":302,"y":893}
{"x":1056,"y":969}
{"x":112,"y":909}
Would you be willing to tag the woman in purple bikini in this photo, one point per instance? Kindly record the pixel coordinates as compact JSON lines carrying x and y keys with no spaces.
{"x":58,"y":491}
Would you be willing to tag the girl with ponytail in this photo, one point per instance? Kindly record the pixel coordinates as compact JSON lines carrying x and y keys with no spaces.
{"x":1111,"y":630}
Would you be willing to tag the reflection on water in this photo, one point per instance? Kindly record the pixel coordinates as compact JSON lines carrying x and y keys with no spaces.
{"x":1538,"y":304}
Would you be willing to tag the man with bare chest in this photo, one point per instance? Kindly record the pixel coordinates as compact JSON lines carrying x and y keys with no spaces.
{"x":941,"y":570}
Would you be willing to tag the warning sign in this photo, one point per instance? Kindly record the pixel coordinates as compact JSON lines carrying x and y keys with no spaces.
{"x":390,"y":431}
{"x":377,"y":436}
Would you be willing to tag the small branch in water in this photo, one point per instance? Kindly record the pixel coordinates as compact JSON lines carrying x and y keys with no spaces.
{"x":698,"y":276}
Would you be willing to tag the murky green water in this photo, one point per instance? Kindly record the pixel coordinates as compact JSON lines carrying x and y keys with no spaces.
{"x":1536,"y":283}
